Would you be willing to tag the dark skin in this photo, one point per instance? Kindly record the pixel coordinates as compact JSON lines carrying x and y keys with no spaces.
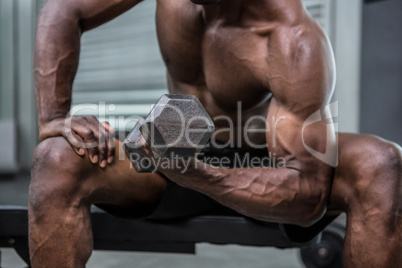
{"x":224,"y":52}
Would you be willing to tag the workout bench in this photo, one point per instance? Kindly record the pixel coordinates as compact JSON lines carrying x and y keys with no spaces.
{"x":180,"y":236}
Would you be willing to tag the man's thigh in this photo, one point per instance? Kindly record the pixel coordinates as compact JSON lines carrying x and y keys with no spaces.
{"x":117,"y":185}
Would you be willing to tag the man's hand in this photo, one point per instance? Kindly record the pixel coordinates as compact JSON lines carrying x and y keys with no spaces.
{"x":186,"y":172}
{"x":84,"y":132}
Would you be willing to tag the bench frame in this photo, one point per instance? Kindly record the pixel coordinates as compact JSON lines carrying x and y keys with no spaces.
{"x":170,"y":236}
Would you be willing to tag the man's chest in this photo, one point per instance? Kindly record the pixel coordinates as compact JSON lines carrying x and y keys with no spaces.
{"x":229,"y":62}
{"x":235,"y":58}
{"x":225,"y":67}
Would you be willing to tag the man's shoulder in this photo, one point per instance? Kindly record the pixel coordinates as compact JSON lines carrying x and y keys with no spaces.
{"x":180,"y":8}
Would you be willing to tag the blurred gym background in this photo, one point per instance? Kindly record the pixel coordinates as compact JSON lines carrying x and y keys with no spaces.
{"x":120,"y":64}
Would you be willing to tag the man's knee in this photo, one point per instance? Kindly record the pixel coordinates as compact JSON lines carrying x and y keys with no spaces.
{"x":56,"y":173}
{"x":55,"y":154}
{"x":385,"y":172}
{"x":366,"y":156}
{"x":387,"y":169}
{"x":382,"y":160}
{"x":374,"y":173}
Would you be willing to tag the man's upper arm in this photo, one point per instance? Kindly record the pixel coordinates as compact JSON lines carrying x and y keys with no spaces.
{"x":90,"y":13}
{"x":301,"y":78}
{"x":57,"y":47}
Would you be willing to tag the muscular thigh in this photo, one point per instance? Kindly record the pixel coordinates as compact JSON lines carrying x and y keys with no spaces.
{"x":119,"y":183}
{"x":59,"y":169}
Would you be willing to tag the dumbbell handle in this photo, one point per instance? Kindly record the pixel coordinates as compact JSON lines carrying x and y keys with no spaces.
{"x":140,"y":162}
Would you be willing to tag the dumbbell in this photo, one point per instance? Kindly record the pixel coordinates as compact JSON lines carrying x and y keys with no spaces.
{"x":178,"y":125}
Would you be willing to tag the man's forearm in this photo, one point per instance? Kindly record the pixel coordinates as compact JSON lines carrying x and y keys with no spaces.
{"x":60,"y":25}
{"x":56,"y":60}
{"x":269,"y":194}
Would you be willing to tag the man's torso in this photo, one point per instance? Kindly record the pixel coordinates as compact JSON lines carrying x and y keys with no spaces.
{"x":222,"y":63}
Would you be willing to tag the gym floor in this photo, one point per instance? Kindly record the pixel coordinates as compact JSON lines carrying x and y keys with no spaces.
{"x":14,"y":191}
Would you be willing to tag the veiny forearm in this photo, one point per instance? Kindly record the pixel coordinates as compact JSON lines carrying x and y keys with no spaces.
{"x":55,"y":61}
{"x":57,"y":47}
{"x":277,"y":195}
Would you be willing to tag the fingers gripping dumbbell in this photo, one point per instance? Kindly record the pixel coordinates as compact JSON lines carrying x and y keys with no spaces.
{"x":178,"y":125}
